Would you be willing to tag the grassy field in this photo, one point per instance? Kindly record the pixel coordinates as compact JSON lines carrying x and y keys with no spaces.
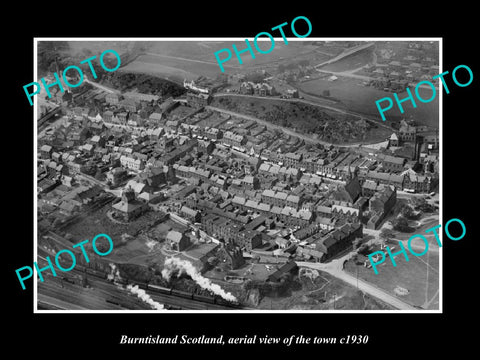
{"x":172,"y":67}
{"x":362,"y":99}
{"x":190,"y":59}
{"x":174,"y":74}
{"x":98,"y":222}
{"x":79,"y":47}
{"x":411,"y":275}
{"x":291,"y":51}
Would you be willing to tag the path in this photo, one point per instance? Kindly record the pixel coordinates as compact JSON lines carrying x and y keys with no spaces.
{"x":103,"y":87}
{"x":429,"y":302}
{"x":346,"y":53}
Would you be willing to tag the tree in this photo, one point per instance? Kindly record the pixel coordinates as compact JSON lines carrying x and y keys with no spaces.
{"x":408,"y":212}
{"x":254,"y":77}
{"x":222,"y":78}
{"x":304,"y":62}
{"x":84,"y":281}
{"x":326,"y":92}
{"x":401,"y":224}
{"x":427,"y":208}
{"x":386,"y":234}
{"x":364,"y":249}
{"x":99,"y":175}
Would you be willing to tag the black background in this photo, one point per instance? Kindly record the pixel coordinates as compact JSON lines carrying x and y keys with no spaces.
{"x":405,"y":334}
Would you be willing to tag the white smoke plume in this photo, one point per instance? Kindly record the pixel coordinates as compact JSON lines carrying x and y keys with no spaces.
{"x":176,"y":265}
{"x":114,"y":274}
{"x":145,"y":297}
{"x":134,"y":289}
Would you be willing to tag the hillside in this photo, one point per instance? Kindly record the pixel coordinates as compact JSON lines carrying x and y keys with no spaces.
{"x":304,"y":118}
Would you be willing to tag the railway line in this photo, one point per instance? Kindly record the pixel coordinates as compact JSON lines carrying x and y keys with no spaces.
{"x":103,"y":294}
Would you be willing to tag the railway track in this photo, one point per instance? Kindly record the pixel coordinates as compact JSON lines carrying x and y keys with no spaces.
{"x":117,"y":296}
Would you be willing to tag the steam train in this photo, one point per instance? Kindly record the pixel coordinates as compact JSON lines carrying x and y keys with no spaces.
{"x":163,"y":290}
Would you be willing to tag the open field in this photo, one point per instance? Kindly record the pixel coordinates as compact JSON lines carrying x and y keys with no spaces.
{"x":80,"y":47}
{"x":191,"y":59}
{"x":170,"y":73}
{"x":175,"y":68}
{"x":362,"y":99}
{"x":98,"y":222}
{"x":411,"y":275}
{"x":291,"y":51}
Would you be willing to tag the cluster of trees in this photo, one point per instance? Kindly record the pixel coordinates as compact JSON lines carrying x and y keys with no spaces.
{"x":144,"y":83}
{"x":135,"y":272}
{"x":386,"y":234}
{"x":400,"y":223}
{"x":301,"y":117}
{"x":90,"y":168}
{"x":386,"y":82}
{"x":409,"y":213}
{"x":255,"y":77}
{"x":420,"y":204}
{"x":48,"y":52}
{"x":310,"y":119}
{"x":364,"y":249}
{"x":58,"y":53}
{"x":293,"y":65}
{"x":284,"y":287}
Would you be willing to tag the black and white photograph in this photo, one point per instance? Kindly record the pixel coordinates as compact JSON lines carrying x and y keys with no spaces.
{"x":220,"y":181}
{"x":268,"y":185}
